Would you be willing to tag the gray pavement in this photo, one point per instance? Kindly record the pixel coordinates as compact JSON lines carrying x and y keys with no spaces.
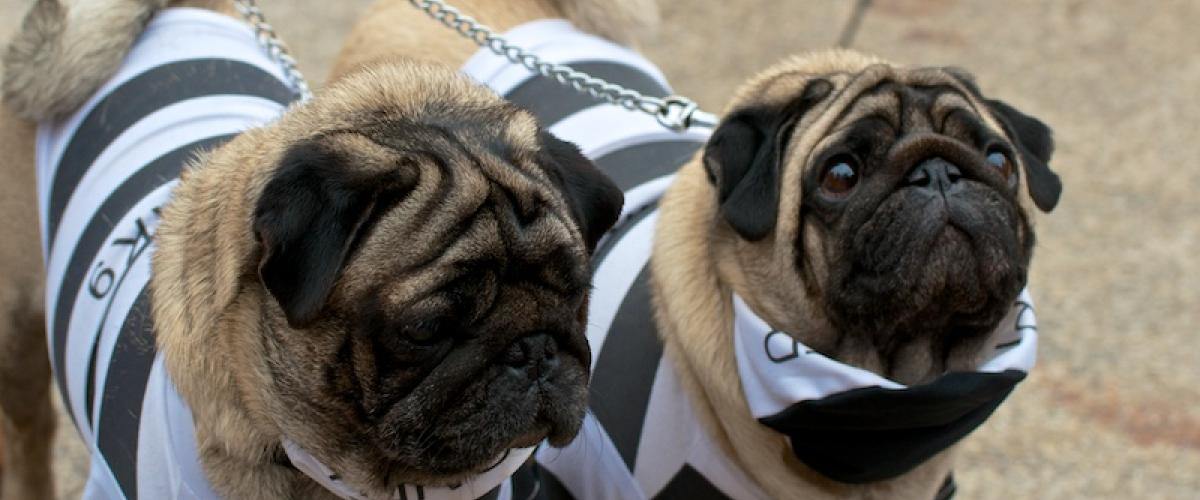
{"x":1113,"y":409}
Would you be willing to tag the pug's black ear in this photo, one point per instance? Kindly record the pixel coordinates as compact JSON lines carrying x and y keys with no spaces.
{"x":1035,"y":143}
{"x":744,"y":159}
{"x":594,"y":200}
{"x":308,"y":218}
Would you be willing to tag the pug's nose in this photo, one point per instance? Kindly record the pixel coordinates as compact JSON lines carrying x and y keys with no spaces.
{"x":536,"y":355}
{"x":935,"y":175}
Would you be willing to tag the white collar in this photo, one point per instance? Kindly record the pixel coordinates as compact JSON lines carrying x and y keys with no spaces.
{"x":778,"y":371}
{"x":476,"y":487}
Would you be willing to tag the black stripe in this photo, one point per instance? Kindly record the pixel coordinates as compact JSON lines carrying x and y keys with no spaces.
{"x":98,"y":229}
{"x":1024,"y":307}
{"x":634,"y":165}
{"x":948,"y":490}
{"x":138,"y":242}
{"x":124,"y":391}
{"x":550,"y":488}
{"x":551,"y":101}
{"x":143,"y":95}
{"x":689,"y":484}
{"x":624,"y":375}
{"x":525,"y":481}
{"x":89,"y":392}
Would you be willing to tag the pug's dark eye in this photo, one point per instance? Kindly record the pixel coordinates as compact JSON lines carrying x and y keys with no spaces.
{"x":419,"y":336}
{"x":421,"y":333}
{"x":1000,"y":162}
{"x":841,"y":175}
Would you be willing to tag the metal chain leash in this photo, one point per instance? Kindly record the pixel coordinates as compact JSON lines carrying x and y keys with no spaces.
{"x":677,"y":113}
{"x":274,"y":46}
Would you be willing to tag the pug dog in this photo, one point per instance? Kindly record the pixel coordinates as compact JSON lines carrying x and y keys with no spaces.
{"x":818,"y":299}
{"x":377,"y":293}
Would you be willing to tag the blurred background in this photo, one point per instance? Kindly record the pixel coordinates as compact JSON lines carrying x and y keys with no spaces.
{"x":1113,"y":408}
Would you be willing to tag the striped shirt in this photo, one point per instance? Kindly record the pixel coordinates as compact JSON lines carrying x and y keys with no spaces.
{"x":191,"y":82}
{"x":639,"y":440}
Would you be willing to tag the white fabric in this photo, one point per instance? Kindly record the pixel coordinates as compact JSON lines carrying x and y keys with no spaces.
{"x":798,"y":373}
{"x":169,"y":440}
{"x":476,"y":487}
{"x":174,"y":35}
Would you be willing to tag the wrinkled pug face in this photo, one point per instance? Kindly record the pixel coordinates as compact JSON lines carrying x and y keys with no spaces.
{"x":428,"y":278}
{"x":893,"y":199}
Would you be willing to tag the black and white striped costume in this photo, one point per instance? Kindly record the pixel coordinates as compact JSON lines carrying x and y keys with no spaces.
{"x":641,"y":439}
{"x":192,"y":81}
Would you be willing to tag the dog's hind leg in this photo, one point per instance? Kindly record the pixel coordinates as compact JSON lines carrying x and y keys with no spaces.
{"x":26,"y":415}
{"x":66,"y":49}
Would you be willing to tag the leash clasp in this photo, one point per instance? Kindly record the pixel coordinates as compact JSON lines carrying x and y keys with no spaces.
{"x":679,"y":113}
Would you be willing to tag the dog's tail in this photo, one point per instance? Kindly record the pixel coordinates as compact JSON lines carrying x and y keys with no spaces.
{"x":66,"y":49}
{"x":623,"y":21}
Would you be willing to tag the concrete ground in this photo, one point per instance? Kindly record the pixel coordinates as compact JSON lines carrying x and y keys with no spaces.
{"x":1113,"y":409}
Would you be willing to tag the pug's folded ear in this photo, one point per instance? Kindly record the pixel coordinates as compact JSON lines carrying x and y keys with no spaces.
{"x":594,"y":200}
{"x":1036,"y":144}
{"x":744,"y":159}
{"x":309,"y":217}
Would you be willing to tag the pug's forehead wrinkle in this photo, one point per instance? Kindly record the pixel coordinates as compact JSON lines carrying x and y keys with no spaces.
{"x":945,"y":104}
{"x":404,"y":298}
{"x":972,"y":98}
{"x":837,"y":64}
{"x":514,"y":166}
{"x":885,"y":105}
{"x":482,"y":244}
{"x":923,"y":107}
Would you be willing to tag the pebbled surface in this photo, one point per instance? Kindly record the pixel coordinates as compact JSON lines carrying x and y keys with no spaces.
{"x":1113,"y":410}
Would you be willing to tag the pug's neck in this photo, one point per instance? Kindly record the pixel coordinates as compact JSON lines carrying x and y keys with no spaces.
{"x":692,"y":293}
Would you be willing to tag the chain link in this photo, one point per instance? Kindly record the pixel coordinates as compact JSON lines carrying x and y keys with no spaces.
{"x":274,"y":46}
{"x":677,"y":113}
